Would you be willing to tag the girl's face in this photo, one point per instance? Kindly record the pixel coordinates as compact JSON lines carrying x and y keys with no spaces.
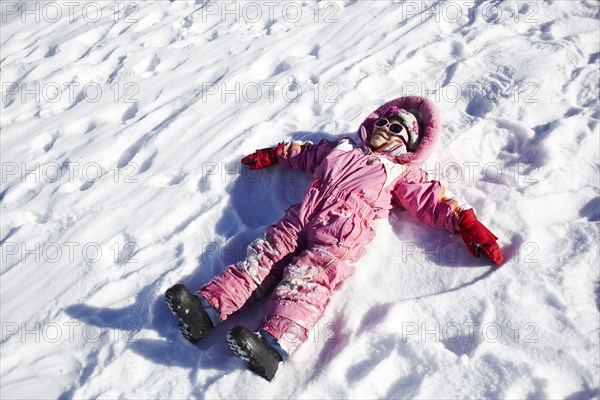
{"x":381,"y":136}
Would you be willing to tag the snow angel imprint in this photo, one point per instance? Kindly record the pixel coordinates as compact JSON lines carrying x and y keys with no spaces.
{"x":301,"y":258}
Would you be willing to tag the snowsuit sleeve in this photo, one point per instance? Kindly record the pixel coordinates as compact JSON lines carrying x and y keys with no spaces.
{"x":428,"y":200}
{"x":305,"y":156}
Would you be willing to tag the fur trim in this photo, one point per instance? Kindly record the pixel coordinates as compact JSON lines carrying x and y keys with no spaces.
{"x":427,"y":116}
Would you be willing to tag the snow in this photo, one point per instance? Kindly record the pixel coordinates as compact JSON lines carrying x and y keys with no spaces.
{"x":122,"y":129}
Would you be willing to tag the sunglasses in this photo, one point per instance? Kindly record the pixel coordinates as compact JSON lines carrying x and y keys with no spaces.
{"x":394,"y":127}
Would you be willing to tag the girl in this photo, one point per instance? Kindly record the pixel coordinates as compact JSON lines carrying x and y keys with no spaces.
{"x":313,"y":248}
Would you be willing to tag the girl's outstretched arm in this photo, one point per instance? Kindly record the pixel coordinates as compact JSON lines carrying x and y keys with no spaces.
{"x":297,"y":155}
{"x":433,"y":204}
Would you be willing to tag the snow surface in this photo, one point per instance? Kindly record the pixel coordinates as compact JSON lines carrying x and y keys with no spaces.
{"x":121,"y":139}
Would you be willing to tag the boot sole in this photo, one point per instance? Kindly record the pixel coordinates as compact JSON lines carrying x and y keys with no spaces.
{"x":178,"y":300}
{"x":245,"y":345}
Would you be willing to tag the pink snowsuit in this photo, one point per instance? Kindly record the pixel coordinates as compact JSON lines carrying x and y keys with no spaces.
{"x":313,"y":248}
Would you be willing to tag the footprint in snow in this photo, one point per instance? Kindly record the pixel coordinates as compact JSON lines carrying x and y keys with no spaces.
{"x":315,"y":51}
{"x":490,"y":89}
{"x":147,"y":164}
{"x":130,"y":113}
{"x":164,"y":180}
{"x":154,"y":62}
{"x":92,"y":125}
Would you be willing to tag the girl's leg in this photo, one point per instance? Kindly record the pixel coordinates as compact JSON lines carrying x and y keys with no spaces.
{"x":262,"y":268}
{"x":300,"y":299}
{"x":335,"y":240}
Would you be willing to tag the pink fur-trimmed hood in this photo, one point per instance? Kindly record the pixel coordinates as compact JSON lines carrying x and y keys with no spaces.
{"x":429,"y":126}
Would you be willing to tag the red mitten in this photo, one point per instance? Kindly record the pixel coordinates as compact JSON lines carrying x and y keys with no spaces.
{"x":478,"y":238}
{"x":263,"y":157}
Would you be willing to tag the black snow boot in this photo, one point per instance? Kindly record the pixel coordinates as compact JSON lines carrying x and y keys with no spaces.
{"x":194,"y":323}
{"x":250,"y":346}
